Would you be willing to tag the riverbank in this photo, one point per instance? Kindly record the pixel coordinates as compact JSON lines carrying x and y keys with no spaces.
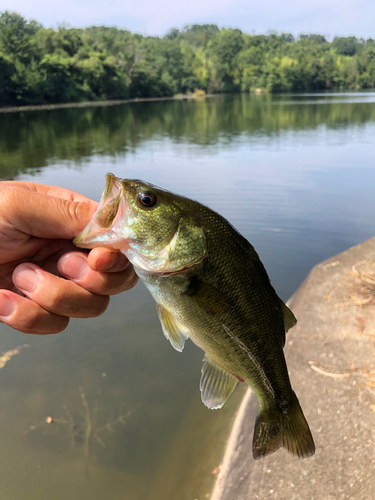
{"x":331,"y":360}
{"x":93,"y":104}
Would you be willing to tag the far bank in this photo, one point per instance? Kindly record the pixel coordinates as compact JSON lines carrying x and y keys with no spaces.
{"x":93,"y":104}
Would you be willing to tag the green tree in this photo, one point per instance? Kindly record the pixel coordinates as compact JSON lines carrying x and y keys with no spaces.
{"x":39,"y":65}
{"x":346,"y":46}
{"x":16,"y":34}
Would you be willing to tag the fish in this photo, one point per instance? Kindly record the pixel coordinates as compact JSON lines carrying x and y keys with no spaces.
{"x":210,"y":286}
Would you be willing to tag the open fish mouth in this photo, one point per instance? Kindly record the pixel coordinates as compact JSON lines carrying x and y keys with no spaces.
{"x":105,"y":228}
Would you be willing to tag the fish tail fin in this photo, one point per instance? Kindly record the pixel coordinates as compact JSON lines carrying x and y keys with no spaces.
{"x":275,"y":429}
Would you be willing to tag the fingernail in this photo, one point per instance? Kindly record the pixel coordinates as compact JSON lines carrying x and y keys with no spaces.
{"x":74,"y":266}
{"x":6,"y":306}
{"x":110,"y":260}
{"x":25,"y":278}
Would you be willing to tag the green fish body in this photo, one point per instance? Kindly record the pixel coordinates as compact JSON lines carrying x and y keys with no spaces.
{"x":210,"y":286}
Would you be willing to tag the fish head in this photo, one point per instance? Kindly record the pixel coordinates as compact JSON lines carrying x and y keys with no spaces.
{"x":154,"y":228}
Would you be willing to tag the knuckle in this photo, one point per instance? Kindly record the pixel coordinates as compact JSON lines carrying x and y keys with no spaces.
{"x":119,"y":282}
{"x":130,"y":279}
{"x":39,"y":323}
{"x":74,"y":210}
{"x":79,"y":211}
{"x":100,"y":307}
{"x":8,"y":193}
{"x":105,"y":288}
{"x":56,"y":299}
{"x":60,"y":325}
{"x":104,"y":284}
{"x":31,"y":324}
{"x":70,"y":300}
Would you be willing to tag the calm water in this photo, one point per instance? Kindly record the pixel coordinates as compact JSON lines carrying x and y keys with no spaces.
{"x":295,"y":174}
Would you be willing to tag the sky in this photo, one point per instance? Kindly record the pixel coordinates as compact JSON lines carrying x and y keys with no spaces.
{"x":155,"y":17}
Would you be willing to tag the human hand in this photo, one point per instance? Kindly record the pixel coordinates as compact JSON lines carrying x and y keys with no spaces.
{"x":37,"y":225}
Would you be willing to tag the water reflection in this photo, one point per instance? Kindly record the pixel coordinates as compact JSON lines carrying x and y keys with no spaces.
{"x":32,"y":140}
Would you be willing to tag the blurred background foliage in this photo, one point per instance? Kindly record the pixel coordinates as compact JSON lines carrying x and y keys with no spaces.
{"x":42,"y":66}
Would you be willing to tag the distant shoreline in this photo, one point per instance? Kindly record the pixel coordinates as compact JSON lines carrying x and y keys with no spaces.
{"x":38,"y":107}
{"x":177,"y":97}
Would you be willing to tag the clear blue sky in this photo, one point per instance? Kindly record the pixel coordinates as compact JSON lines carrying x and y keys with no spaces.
{"x":155,"y":17}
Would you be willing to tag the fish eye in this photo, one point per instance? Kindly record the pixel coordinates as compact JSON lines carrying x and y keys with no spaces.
{"x":147,"y":200}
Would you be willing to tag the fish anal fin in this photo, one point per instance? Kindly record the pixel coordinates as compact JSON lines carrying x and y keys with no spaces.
{"x":172,"y":329}
{"x":216,"y":384}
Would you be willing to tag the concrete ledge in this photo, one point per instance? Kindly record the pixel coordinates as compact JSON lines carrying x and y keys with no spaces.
{"x":331,"y":360}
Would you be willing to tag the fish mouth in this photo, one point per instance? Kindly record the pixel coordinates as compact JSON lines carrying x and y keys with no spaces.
{"x":113,"y":208}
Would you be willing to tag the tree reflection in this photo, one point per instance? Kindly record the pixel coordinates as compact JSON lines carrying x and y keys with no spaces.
{"x":32,"y":140}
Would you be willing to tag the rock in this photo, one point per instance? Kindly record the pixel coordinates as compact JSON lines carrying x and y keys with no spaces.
{"x":330,"y":355}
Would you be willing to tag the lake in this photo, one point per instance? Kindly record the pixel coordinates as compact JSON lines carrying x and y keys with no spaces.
{"x":295,"y":174}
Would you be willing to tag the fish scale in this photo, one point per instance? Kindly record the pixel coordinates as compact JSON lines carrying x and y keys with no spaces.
{"x":210,"y":286}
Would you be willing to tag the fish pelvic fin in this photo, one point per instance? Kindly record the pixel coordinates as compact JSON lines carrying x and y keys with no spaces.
{"x":289,"y":429}
{"x":172,"y":330}
{"x":216,"y":384}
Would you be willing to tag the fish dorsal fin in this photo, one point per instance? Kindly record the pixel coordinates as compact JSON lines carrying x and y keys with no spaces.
{"x":171,"y":328}
{"x":289,"y":318}
{"x":216,"y":384}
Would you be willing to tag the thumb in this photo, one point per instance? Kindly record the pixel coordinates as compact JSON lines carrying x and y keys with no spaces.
{"x":42,"y":215}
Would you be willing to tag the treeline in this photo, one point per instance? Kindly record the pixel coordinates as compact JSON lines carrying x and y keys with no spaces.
{"x":42,"y":66}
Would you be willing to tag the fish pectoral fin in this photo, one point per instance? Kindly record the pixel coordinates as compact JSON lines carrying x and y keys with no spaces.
{"x":216,"y":384}
{"x":209,"y":298}
{"x":289,"y":318}
{"x":172,"y":328}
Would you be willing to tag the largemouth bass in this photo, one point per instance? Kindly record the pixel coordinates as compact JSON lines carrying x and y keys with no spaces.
{"x":210,"y":286}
